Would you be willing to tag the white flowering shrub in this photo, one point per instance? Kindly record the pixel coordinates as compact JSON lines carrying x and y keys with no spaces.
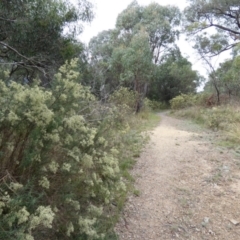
{"x":60,"y":171}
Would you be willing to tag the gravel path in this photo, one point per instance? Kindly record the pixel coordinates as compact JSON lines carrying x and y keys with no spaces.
{"x":189,"y":187}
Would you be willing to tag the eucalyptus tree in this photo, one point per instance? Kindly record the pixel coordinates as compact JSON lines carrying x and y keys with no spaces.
{"x":173,"y":77}
{"x":138,"y":66}
{"x":161,"y":23}
{"x":214,"y":25}
{"x":222,"y":16}
{"x":136,"y":54}
{"x":115,"y":64}
{"x":37,"y":36}
{"x":100,"y":50}
{"x":228,"y":77}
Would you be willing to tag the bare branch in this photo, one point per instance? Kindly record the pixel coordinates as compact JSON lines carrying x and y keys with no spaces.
{"x":213,"y":75}
{"x":14,"y":50}
{"x":30,"y":62}
{"x":225,"y":28}
{"x":224,"y":49}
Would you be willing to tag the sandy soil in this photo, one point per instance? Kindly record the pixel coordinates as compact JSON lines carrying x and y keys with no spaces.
{"x":189,"y":187}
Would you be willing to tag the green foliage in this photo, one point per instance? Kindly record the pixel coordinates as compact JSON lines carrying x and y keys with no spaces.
{"x":156,"y":105}
{"x":61,"y":161}
{"x":124,"y":98}
{"x":159,"y":22}
{"x":227,"y":77}
{"x":183,"y":101}
{"x":218,"y":14}
{"x":37,"y":36}
{"x":173,"y":77}
{"x":203,"y":99}
{"x":127,"y":55}
{"x":137,"y":62}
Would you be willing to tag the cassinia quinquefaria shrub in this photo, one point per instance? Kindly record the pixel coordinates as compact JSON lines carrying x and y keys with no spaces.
{"x":57,"y":172}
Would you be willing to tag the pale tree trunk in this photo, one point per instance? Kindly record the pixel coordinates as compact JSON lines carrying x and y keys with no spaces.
{"x":214,"y":78}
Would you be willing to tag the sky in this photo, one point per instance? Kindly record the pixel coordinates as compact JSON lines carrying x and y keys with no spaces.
{"x":106,"y":12}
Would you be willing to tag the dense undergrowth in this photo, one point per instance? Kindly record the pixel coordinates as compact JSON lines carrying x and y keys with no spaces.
{"x":223,"y":117}
{"x":65,"y":158}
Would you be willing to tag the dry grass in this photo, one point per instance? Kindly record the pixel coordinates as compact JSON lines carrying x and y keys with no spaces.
{"x":225,"y":118}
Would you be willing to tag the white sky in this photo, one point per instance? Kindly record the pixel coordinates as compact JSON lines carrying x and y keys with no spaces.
{"x":106,"y":12}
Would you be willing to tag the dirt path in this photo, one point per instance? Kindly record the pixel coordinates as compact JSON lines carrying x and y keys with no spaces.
{"x":189,"y":187}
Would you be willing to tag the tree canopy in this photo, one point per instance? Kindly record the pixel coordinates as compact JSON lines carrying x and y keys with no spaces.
{"x":173,"y":77}
{"x":132,"y":54}
{"x":160,"y":23}
{"x":220,"y":15}
{"x":38,"y":36}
